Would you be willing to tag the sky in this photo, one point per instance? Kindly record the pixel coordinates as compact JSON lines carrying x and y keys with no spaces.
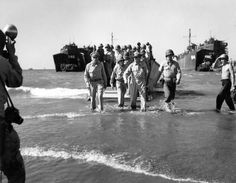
{"x":45,"y":26}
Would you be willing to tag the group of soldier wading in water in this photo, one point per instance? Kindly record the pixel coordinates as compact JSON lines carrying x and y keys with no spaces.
{"x":128,"y":69}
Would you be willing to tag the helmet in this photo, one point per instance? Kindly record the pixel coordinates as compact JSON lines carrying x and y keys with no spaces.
{"x":224,"y":56}
{"x":95,"y":55}
{"x":169,"y":52}
{"x":107,"y":46}
{"x":150,"y":46}
{"x":126,"y":55}
{"x":137,"y":54}
{"x":11,"y":31}
{"x":119,"y":58}
{"x":143,"y":52}
{"x":124,"y":47}
{"x":143,"y":46}
{"x":118,"y":47}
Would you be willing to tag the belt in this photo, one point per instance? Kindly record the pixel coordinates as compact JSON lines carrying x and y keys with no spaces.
{"x":95,"y":80}
{"x":169,"y":79}
{"x":120,"y":80}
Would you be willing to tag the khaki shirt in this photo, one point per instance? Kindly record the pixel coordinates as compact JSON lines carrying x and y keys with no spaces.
{"x":11,"y":74}
{"x":139,"y":71}
{"x":95,"y":73}
{"x":117,"y":73}
{"x":170,"y":70}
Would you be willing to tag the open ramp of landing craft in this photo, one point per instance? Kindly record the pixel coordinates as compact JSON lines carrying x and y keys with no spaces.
{"x":112,"y":94}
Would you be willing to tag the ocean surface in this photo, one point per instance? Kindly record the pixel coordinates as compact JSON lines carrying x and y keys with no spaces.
{"x":63,"y":142}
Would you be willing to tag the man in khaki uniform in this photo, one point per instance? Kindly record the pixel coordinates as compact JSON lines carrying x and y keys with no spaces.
{"x":117,"y":75}
{"x":96,"y":80}
{"x":171,"y":75}
{"x":139,"y":71}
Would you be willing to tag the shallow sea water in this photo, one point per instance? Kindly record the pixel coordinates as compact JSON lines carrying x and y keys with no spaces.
{"x":63,"y":142}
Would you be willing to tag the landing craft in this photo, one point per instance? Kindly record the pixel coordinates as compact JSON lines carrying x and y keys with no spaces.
{"x":71,"y":58}
{"x":200,"y":57}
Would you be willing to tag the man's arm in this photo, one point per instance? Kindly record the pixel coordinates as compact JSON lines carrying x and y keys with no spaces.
{"x":231,"y":70}
{"x":178,"y":75}
{"x":86,"y":76}
{"x":216,"y":65}
{"x":127,"y":73}
{"x":14,"y":76}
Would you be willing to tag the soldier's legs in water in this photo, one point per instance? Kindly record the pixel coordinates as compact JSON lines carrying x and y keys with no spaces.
{"x":93,"y":89}
{"x":133,"y":96}
{"x":173,"y":90}
{"x":123,"y":91}
{"x":100,"y":89}
{"x":222,"y":94}
{"x":119,"y":92}
{"x":167,"y":92}
{"x":228,"y":99}
{"x":142,"y":93}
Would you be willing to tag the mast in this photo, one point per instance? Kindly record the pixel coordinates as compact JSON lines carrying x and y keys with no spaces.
{"x":189,"y":37}
{"x":111,"y":38}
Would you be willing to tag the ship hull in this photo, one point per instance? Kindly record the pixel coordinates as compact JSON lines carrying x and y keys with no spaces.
{"x":187,"y":61}
{"x":71,"y":59}
{"x":201,"y":57}
{"x":63,"y":63}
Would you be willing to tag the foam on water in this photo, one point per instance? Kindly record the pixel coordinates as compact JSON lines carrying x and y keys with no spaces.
{"x":54,"y":93}
{"x":69,"y":115}
{"x":100,"y":158}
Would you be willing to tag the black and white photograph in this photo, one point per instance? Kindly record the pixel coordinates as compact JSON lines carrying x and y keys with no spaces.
{"x":117,"y":91}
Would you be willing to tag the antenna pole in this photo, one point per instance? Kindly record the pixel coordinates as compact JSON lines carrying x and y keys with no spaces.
{"x":112,"y":38}
{"x":189,"y":37}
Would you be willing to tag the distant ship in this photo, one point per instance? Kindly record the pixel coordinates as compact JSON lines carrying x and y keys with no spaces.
{"x":200,"y":57}
{"x":71,"y":58}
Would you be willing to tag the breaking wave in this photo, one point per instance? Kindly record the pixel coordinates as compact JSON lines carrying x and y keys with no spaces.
{"x":113,"y":161}
{"x":54,"y":93}
{"x":69,"y":115}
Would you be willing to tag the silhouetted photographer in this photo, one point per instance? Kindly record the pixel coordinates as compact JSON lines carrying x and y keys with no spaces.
{"x":11,"y":161}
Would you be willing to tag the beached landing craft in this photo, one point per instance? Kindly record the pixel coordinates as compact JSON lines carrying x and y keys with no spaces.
{"x":200,"y":57}
{"x":71,"y":58}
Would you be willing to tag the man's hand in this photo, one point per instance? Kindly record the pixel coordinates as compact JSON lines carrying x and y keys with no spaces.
{"x":233,"y":88}
{"x":10,"y":45}
{"x":87,"y":85}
